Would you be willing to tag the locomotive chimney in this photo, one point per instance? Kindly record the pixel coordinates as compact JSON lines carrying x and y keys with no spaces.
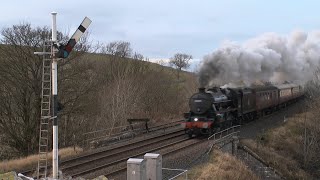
{"x":202,"y":90}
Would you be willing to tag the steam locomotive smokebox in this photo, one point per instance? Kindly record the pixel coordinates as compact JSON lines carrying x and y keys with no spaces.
{"x":136,"y":169}
{"x":200,"y":102}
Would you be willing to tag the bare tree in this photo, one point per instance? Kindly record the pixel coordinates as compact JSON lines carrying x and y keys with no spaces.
{"x":310,"y":127}
{"x":138,"y":56}
{"x":117,"y":48}
{"x":20,"y":84}
{"x":180,"y":61}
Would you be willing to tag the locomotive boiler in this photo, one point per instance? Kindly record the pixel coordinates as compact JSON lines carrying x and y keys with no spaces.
{"x":210,"y":110}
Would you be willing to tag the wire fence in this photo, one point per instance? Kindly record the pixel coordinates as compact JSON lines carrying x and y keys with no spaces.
{"x":101,"y":137}
{"x":182,"y":172}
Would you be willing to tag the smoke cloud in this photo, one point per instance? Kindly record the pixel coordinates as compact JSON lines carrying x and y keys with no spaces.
{"x":269,"y":57}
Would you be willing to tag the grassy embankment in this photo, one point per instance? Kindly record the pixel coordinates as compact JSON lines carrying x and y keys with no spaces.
{"x":221,"y":166}
{"x":26,"y":163}
{"x":282,"y":148}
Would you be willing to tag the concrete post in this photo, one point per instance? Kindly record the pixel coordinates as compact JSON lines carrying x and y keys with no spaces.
{"x":136,"y":169}
{"x":154,"y":166}
{"x":235,"y":142}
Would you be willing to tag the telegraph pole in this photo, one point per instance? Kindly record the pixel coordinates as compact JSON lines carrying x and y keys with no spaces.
{"x":54,"y":72}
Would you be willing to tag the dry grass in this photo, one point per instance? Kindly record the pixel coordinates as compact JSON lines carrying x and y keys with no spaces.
{"x":285,"y":164}
{"x":222,"y":166}
{"x":282,"y":147}
{"x":26,"y":163}
{"x":286,"y":139}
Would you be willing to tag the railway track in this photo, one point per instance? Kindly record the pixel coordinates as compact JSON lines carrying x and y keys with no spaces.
{"x":113,"y":165}
{"x":119,"y":167}
{"x":112,"y":161}
{"x":119,"y":164}
{"x":180,"y":146}
{"x":74,"y":165}
{"x":75,"y":168}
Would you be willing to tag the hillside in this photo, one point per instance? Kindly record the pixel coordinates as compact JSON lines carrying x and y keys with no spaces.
{"x":96,"y":91}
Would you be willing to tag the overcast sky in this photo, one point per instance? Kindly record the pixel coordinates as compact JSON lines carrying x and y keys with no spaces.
{"x":160,"y":28}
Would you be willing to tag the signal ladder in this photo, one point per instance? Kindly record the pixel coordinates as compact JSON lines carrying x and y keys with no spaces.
{"x":45,"y":110}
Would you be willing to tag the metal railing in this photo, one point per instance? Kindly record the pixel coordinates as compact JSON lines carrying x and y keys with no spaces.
{"x":93,"y":135}
{"x":101,"y":134}
{"x":221,"y":132}
{"x":165,"y":126}
{"x":219,"y":136}
{"x":121,"y":130}
{"x":182,"y":171}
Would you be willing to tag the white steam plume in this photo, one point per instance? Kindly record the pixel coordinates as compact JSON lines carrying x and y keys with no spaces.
{"x":269,"y":57}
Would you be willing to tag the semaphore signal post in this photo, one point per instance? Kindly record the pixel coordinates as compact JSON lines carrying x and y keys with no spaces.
{"x":49,"y":96}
